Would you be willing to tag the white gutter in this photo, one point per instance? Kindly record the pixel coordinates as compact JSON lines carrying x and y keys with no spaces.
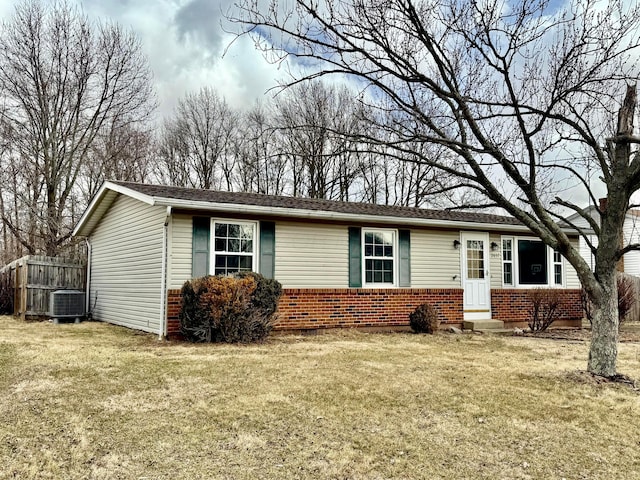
{"x":87,"y":299}
{"x":162,"y":331}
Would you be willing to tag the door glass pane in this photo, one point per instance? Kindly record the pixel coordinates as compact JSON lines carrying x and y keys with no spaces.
{"x":475,"y":259}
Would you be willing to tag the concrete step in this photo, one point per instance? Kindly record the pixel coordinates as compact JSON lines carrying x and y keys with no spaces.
{"x":488,"y":325}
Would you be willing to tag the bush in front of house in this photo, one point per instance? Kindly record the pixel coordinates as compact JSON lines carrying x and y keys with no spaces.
{"x":424,"y":319}
{"x":232,"y":309}
{"x":543,"y":309}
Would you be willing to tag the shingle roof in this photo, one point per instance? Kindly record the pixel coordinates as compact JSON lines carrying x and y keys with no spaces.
{"x":312,"y":204}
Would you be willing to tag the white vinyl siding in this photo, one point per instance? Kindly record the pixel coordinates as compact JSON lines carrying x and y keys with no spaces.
{"x":631,"y":232}
{"x":435,"y":263}
{"x":312,"y":255}
{"x":570,"y":276}
{"x":126,"y":265}
{"x":180,"y":250}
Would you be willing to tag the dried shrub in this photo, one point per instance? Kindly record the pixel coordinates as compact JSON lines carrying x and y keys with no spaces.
{"x":626,"y":300}
{"x":424,"y":319}
{"x":543,"y":310}
{"x":229,"y":309}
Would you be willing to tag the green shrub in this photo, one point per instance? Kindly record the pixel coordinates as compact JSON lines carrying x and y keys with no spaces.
{"x":424,"y":319}
{"x":239,"y":308}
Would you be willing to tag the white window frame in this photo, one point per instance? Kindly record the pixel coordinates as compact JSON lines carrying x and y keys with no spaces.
{"x":555,"y":263}
{"x":212,"y":245}
{"x":394,"y":258}
{"x":515,"y":269}
{"x":512,"y":262}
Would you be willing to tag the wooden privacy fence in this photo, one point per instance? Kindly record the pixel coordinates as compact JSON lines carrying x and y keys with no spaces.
{"x":31,"y":280}
{"x":634,"y":313}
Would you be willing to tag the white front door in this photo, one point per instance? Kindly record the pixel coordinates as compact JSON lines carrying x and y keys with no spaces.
{"x":475,"y":276}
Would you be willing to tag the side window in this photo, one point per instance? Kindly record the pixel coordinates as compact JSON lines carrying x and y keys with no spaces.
{"x":558,"y":273}
{"x":379,"y":255}
{"x":234,"y":247}
{"x":507,"y":261}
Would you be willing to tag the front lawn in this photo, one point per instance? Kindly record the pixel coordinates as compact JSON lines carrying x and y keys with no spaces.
{"x":96,"y":401}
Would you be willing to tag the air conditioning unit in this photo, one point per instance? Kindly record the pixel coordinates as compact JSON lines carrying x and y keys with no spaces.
{"x":66,"y":304}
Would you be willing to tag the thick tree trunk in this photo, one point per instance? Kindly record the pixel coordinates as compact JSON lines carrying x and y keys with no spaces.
{"x":603,"y":351}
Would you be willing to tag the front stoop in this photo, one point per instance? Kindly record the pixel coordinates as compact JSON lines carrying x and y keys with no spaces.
{"x":484,"y":325}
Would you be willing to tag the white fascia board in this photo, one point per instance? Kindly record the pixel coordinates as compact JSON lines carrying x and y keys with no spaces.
{"x":338,"y":216}
{"x":148,"y":199}
{"x":99,"y":197}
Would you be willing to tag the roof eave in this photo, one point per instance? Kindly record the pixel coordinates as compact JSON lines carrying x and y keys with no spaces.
{"x":86,"y":224}
{"x":337,"y":216}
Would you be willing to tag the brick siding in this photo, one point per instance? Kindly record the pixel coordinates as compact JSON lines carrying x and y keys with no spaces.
{"x":174,"y":301}
{"x":313,"y":309}
{"x":512,"y":306}
{"x":302,"y":309}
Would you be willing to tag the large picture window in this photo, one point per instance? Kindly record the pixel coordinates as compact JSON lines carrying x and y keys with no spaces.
{"x":233,"y":247}
{"x":532,"y":262}
{"x":379,"y":247}
{"x":529,"y":262}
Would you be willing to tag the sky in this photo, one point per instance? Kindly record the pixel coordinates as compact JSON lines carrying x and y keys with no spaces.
{"x":185,"y":43}
{"x":188,"y":46}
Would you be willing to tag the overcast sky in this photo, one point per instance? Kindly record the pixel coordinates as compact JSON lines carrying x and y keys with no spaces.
{"x":185,"y":41}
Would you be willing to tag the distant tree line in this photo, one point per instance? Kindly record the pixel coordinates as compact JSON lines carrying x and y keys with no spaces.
{"x":77,"y":107}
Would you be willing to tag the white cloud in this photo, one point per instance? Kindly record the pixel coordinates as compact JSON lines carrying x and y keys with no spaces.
{"x":184,"y":42}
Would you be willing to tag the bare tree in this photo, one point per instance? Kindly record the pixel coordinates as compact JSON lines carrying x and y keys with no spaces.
{"x":511,"y":89}
{"x":117,"y":153}
{"x":319,"y":127}
{"x":197,"y":139}
{"x":261,"y":168}
{"x":172,"y":165}
{"x":64,"y":79}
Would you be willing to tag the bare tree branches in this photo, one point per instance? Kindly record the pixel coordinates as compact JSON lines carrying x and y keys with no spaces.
{"x":195,"y":143}
{"x":505,"y":88}
{"x":64,"y":80}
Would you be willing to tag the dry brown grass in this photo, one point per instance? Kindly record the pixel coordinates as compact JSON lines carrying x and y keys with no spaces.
{"x":101,"y":402}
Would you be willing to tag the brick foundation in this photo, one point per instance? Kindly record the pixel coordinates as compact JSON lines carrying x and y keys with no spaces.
{"x":174,"y":301}
{"x":313,"y":309}
{"x":304,"y":309}
{"x":512,"y":307}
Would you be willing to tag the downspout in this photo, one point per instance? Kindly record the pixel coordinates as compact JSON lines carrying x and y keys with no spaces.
{"x":162,"y":331}
{"x":87,"y":299}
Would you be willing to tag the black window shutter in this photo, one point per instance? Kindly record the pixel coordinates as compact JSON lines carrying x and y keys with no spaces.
{"x":404,"y":256}
{"x":355,"y":257}
{"x":268,"y":249}
{"x":201,"y":245}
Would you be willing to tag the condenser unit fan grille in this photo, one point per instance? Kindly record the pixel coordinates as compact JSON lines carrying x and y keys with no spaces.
{"x":67,"y":303}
